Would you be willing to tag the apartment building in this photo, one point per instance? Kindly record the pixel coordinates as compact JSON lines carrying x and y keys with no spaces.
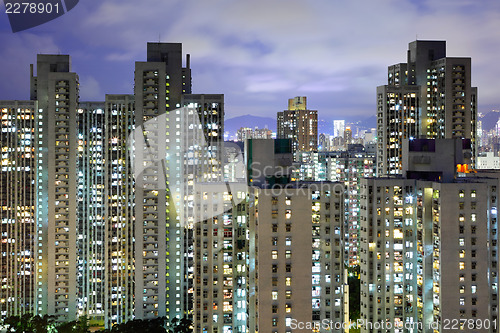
{"x":430,"y":96}
{"x":429,"y":252}
{"x":299,"y":124}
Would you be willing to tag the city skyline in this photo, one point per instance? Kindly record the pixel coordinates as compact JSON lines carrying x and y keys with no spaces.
{"x":255,"y":54}
{"x":192,"y":227}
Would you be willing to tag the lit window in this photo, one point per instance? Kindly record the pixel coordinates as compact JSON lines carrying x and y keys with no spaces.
{"x":288,"y":254}
{"x":288,"y":294}
{"x":461,"y":265}
{"x":288,"y":281}
{"x":275,"y":254}
{"x":473,"y":194}
{"x":473,"y":289}
{"x":274,"y":295}
{"x":461,"y":194}
{"x":462,"y":300}
{"x":288,"y":241}
{"x":461,"y":241}
{"x":462,"y":254}
{"x":288,"y":308}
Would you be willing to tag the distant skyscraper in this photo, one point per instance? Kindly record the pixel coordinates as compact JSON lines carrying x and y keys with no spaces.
{"x":347,"y":136}
{"x":299,"y":124}
{"x":256,"y":133}
{"x":324,"y":142}
{"x":338,"y":128}
{"x":429,"y":96}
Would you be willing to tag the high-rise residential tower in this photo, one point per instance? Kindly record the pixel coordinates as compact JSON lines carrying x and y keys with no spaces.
{"x":338,"y":128}
{"x":99,"y":218}
{"x":56,"y":89}
{"x":430,"y":96}
{"x":269,"y":257}
{"x":18,"y":220}
{"x":105,"y":211}
{"x":159,"y":280}
{"x":299,"y":124}
{"x":429,"y":244}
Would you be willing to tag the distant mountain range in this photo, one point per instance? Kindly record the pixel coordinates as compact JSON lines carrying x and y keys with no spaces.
{"x":232,"y":125}
{"x":325,"y":125}
{"x":489,"y":120}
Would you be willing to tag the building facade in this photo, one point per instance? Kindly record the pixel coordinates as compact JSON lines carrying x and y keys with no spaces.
{"x":430,"y":96}
{"x":429,"y":249}
{"x":56,"y":89}
{"x":19,"y":225}
{"x":299,"y":124}
{"x":346,"y":167}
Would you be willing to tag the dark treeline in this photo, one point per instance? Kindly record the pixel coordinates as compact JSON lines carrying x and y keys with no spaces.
{"x":29,"y":323}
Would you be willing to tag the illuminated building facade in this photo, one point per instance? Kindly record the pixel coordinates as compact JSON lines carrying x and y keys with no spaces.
{"x":201,"y":141}
{"x":346,"y":167}
{"x":105,"y":211}
{"x":282,"y":290}
{"x":220,"y":260}
{"x":338,"y":128}
{"x":429,"y":245}
{"x":120,"y":209}
{"x":159,"y":278}
{"x":430,"y":96}
{"x":299,"y":124}
{"x":18,"y":223}
{"x":256,"y":133}
{"x":92,"y":236}
{"x":56,"y":89}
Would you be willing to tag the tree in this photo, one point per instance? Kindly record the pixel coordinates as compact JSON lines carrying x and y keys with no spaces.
{"x":156,"y":325}
{"x":27,"y":323}
{"x":77,"y":326}
{"x":42,"y":324}
{"x":354,"y":293}
{"x":184,"y":325}
{"x":18,"y":324}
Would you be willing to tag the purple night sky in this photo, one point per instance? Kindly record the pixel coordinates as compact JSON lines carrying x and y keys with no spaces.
{"x":259,"y":53}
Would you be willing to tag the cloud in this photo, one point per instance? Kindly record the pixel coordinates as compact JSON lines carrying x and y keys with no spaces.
{"x":335,"y":52}
{"x":18,"y":51}
{"x":90,"y":90}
